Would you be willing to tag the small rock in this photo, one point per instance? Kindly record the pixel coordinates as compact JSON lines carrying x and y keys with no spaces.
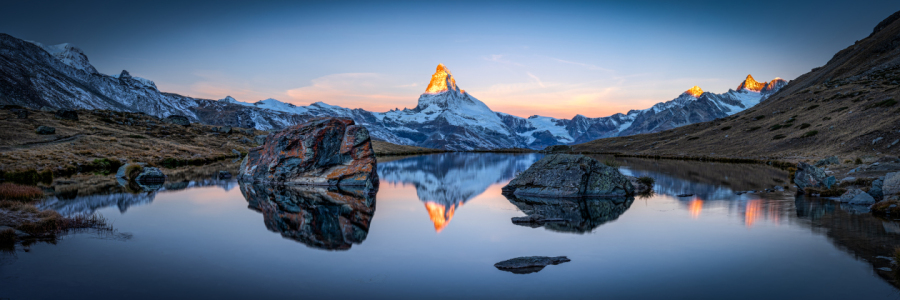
{"x":847,"y":179}
{"x":891,"y":184}
{"x":893,"y":143}
{"x":857,"y":197}
{"x":245,"y":140}
{"x":235,"y":152}
{"x":45,"y":130}
{"x":529,"y":264}
{"x":178,"y":120}
{"x":779,"y":188}
{"x":260,"y":139}
{"x":66,"y":114}
{"x":877,"y":140}
{"x":224,"y":175}
{"x":831,"y":160}
{"x":225,"y":130}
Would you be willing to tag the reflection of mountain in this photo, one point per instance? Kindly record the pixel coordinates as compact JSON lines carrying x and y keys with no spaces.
{"x":446,"y":181}
{"x":92,"y":203}
{"x":580,"y":214}
{"x":321,"y":218}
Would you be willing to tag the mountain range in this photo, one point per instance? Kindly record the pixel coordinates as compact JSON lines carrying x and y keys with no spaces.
{"x":446,"y":116}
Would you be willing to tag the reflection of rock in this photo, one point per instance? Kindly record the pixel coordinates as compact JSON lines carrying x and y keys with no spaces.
{"x":529,"y":264}
{"x":322,"y":151}
{"x":319,"y":217}
{"x":580,"y":214}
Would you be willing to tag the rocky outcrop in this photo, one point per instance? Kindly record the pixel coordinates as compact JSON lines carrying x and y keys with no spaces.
{"x":137,"y":177}
{"x":566,"y":175}
{"x":323,"y":151}
{"x":810,"y":176}
{"x":529,"y":264}
{"x":327,"y":218}
{"x":572,"y":215}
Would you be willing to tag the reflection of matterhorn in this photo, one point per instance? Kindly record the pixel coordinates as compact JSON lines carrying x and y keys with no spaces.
{"x":446,"y":181}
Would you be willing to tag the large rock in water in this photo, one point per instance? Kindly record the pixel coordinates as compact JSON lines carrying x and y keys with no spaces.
{"x":322,"y":151}
{"x":810,"y":176}
{"x":567,"y":175}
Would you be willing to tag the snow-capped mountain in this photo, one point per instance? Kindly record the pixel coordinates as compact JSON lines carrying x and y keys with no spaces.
{"x":446,"y":116}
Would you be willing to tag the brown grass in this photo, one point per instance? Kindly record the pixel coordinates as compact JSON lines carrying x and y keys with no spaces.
{"x":382,"y":148}
{"x":883,"y":208}
{"x":12,"y":191}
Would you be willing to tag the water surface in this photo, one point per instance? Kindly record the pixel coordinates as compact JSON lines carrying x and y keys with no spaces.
{"x":438,"y":224}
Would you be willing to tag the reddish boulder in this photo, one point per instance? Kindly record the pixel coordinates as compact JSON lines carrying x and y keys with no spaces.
{"x":321,"y":151}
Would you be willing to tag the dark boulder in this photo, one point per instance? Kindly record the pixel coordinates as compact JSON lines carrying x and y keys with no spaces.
{"x":567,"y":175}
{"x":223,"y":175}
{"x":810,"y":176}
{"x":876,"y":190}
{"x":327,"y":218}
{"x":45,"y":130}
{"x":138,"y":176}
{"x":66,"y":114}
{"x":178,"y":120}
{"x":322,"y":151}
{"x":529,"y":264}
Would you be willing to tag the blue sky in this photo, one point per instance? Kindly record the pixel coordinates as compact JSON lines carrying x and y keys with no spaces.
{"x":524,"y":57}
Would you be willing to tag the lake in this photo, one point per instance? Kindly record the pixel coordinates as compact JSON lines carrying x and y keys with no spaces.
{"x":437,"y":225}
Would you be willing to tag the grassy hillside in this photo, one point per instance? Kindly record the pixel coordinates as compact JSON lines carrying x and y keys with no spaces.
{"x":99,"y":140}
{"x":848,"y":107}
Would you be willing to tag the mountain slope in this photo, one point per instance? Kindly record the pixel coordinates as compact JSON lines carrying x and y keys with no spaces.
{"x":846,"y":107}
{"x":446,"y":116}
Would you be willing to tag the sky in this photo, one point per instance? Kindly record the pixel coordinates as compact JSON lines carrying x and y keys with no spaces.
{"x":525,"y":58}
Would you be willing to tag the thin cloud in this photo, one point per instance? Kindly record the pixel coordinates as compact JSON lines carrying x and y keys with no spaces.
{"x":535,"y":79}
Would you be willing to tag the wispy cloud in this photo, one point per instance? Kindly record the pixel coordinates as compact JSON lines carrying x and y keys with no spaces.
{"x":588,"y":66}
{"x":500,"y":58}
{"x":371,"y":91}
{"x":535,"y":79}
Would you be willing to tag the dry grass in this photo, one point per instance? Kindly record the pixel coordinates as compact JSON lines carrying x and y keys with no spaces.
{"x":12,"y":191}
{"x":382,"y":148}
{"x":883,"y":208}
{"x":98,"y":137}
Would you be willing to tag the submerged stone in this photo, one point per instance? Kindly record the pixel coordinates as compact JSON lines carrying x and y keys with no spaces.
{"x":529,"y":264}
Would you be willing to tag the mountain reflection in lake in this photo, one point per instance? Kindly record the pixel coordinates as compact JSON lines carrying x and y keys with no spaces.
{"x":196,"y":238}
{"x":444,"y":182}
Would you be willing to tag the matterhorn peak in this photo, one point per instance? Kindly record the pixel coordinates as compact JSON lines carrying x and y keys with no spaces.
{"x":751,"y":84}
{"x":441,"y":81}
{"x":695,"y":91}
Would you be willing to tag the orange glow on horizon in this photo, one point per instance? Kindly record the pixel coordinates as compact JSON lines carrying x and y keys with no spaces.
{"x":440,"y":214}
{"x":695,"y":207}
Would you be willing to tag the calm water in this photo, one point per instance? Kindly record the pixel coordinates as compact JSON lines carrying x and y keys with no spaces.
{"x":438,"y":224}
